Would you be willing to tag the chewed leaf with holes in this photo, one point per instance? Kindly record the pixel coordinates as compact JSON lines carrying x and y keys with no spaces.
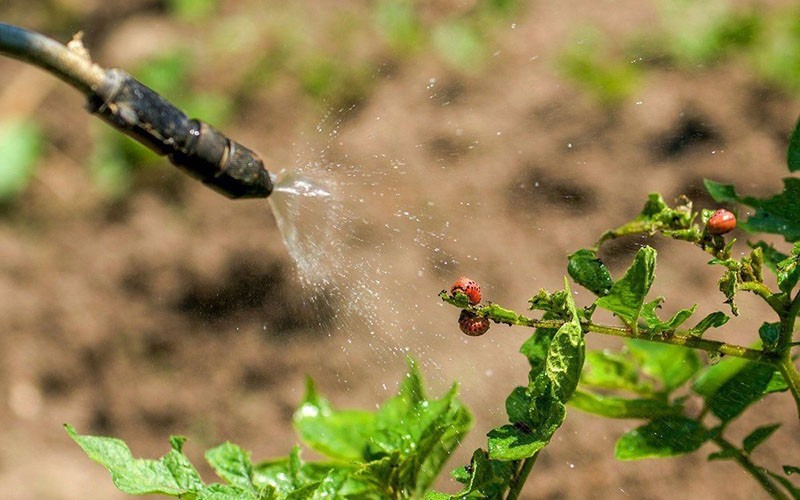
{"x":538,"y":410}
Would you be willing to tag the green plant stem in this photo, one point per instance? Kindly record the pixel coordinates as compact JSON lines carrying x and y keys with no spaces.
{"x":680,"y":338}
{"x":759,"y":473}
{"x":784,"y":346}
{"x":686,"y":340}
{"x":792,"y":378}
{"x":787,"y":323}
{"x":518,"y":481}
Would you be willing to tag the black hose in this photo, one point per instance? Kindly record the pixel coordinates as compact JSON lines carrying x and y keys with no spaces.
{"x":140,"y":112}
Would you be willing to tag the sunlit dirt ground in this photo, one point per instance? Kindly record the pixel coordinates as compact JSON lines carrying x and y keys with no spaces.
{"x":172,"y":310}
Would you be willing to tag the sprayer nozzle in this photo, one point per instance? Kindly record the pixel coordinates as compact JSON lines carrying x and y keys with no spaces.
{"x":195,"y":146}
{"x":242,"y":174}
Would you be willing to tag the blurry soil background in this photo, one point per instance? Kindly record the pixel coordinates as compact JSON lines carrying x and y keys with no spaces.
{"x":466,"y":137}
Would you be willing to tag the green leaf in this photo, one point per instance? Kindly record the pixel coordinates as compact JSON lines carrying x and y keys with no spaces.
{"x":722,"y":193}
{"x":791,"y":469}
{"x":615,"y":407}
{"x":511,"y":442}
{"x":739,"y":391}
{"x":677,"y":319}
{"x":550,"y":386}
{"x":226,"y":492}
{"x":627,"y":295}
{"x":656,"y":216}
{"x":443,"y":432}
{"x":421,"y":433}
{"x":337,"y":434}
{"x":669,"y":364}
{"x":535,"y":348}
{"x":232,"y":464}
{"x":518,"y":405}
{"x":758,"y":436}
{"x":779,"y":214}
{"x":793,"y":154}
{"x":655,"y":325}
{"x":588,"y":271}
{"x":373,"y":480}
{"x":461,"y":474}
{"x":565,"y":360}
{"x":606,"y":370}
{"x":771,"y":256}
{"x":179,"y":466}
{"x":788,"y":271}
{"x":729,"y":285}
{"x":713,"y":320}
{"x":553,"y":304}
{"x":487,"y":479}
{"x":776,"y":384}
{"x":171,"y":475}
{"x":289,"y":474}
{"x":713,"y":376}
{"x":769,"y":334}
{"x":566,"y":352}
{"x":663,"y":437}
{"x":20,"y":149}
{"x":523,"y":439}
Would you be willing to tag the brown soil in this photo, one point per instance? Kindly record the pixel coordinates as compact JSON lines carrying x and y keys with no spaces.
{"x":176,"y":311}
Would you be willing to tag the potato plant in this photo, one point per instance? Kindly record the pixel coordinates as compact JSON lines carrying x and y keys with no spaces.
{"x":398,"y":450}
